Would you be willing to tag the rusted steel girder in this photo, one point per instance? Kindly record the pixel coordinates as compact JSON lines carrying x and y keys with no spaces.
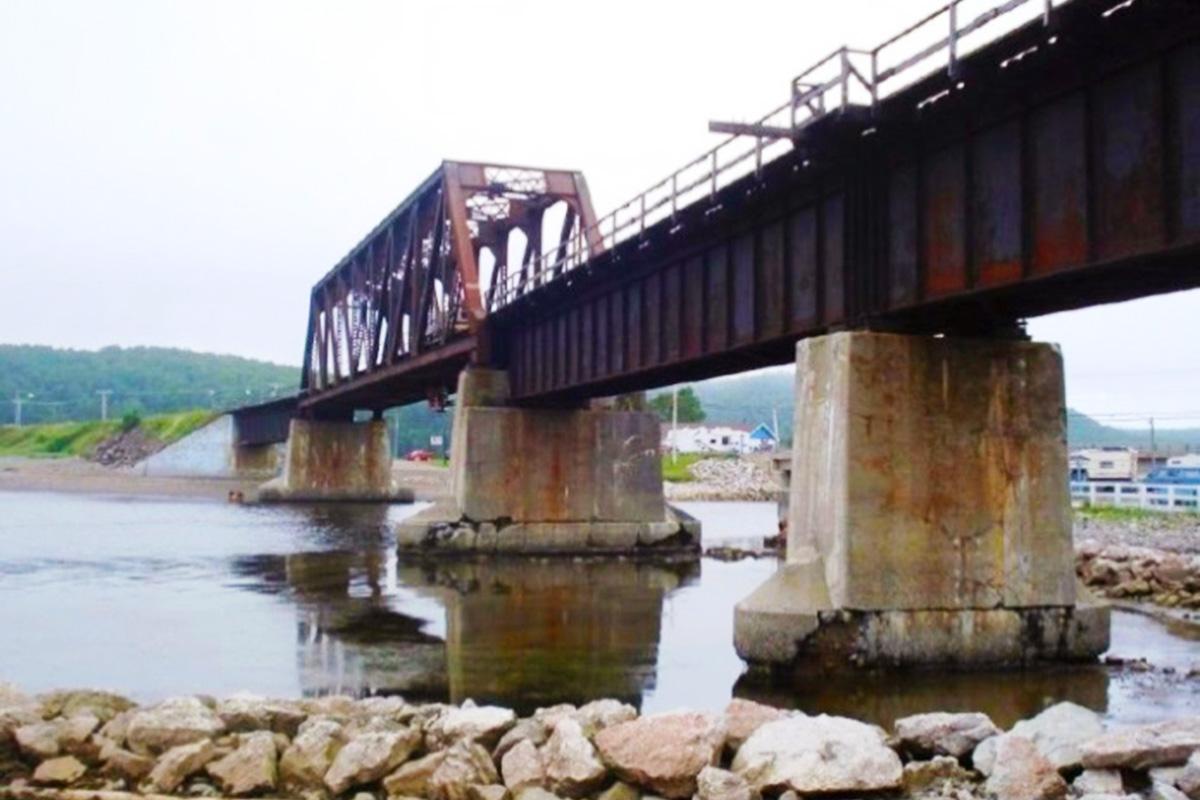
{"x":413,"y":285}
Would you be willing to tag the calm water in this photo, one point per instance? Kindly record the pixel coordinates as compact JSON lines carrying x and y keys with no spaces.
{"x":160,"y":597}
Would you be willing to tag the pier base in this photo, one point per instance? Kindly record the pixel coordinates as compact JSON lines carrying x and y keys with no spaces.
{"x":336,"y":462}
{"x":549,"y":481}
{"x":929,"y":515}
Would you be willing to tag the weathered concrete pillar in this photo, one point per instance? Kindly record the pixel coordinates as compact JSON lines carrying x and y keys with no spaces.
{"x":929,"y":515}
{"x":336,"y":461}
{"x":549,"y":480}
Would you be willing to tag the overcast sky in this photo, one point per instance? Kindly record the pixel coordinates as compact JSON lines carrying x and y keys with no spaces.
{"x":180,"y":173}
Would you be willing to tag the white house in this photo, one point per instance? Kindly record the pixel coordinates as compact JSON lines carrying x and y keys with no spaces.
{"x":706,"y":439}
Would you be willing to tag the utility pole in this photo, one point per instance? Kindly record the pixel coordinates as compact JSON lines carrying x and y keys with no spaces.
{"x":212,"y":398}
{"x":775,"y":423}
{"x":1153,"y":448}
{"x":18,"y":401}
{"x":674,"y":424}
{"x":104,"y":393}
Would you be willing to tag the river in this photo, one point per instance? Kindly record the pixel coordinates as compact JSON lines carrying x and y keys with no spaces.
{"x":161,"y":597}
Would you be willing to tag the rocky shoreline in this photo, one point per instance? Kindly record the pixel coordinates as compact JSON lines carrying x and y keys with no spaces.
{"x":92,"y":744}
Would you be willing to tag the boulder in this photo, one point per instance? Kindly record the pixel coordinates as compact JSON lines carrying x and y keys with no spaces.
{"x":943,"y":734}
{"x":1020,"y":772}
{"x":115,"y":729}
{"x":572,"y":767}
{"x":248,"y":712}
{"x":744,"y":717}
{"x":173,"y":722}
{"x":1143,"y":746}
{"x":1189,"y":780}
{"x":466,"y":764}
{"x":250,"y":769}
{"x":819,"y":755}
{"x":1058,"y":733}
{"x":179,"y":763}
{"x":102,"y":705}
{"x":61,"y":771}
{"x":922,"y":776}
{"x":535,"y":793}
{"x":1099,"y":781}
{"x":412,"y":779}
{"x":39,"y":740}
{"x":1165,"y":791}
{"x":597,"y":715}
{"x":492,"y":791}
{"x":523,"y":766}
{"x":118,"y":762}
{"x":620,"y":791}
{"x":719,"y":784}
{"x":481,"y":724}
{"x":663,"y":752}
{"x":369,"y":756}
{"x":309,"y":756}
{"x":534,"y":731}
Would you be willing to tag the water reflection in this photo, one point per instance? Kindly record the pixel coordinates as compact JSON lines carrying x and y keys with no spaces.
{"x":180,"y":596}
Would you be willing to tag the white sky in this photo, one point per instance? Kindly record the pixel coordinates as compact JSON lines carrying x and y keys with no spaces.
{"x":179,"y":173}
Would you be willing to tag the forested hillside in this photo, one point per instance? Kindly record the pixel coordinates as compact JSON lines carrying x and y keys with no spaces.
{"x":56,"y":385}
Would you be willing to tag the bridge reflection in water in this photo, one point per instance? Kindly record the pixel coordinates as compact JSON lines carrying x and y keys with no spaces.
{"x":532,"y":632}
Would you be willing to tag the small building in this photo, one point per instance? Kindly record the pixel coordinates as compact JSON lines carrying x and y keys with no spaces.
{"x":763,"y":438}
{"x":726,"y":439}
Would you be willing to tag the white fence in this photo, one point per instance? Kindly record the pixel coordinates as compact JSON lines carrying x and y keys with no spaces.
{"x":1155,"y":496}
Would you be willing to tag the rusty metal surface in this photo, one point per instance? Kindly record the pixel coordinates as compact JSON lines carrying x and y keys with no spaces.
{"x":1052,"y":169}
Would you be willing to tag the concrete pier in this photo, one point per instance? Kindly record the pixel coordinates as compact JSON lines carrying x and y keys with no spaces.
{"x":549,"y":481}
{"x":929,"y":514}
{"x":336,"y":462}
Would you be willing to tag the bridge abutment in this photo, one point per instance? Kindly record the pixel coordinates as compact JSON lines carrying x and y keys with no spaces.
{"x":335,"y":461}
{"x":543,"y":480}
{"x":929,"y":517}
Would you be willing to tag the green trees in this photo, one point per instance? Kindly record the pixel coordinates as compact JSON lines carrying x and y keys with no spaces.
{"x":690,"y":409}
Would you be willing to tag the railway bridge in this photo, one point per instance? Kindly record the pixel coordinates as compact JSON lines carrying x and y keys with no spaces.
{"x":887,"y":228}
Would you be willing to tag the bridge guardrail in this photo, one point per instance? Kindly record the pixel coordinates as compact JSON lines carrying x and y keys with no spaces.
{"x":847,"y":78}
{"x":1135,"y":494}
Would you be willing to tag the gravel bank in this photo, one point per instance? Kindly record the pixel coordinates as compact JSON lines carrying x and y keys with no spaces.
{"x":89,"y":744}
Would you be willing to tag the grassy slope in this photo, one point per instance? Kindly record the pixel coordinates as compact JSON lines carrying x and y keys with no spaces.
{"x":80,"y":438}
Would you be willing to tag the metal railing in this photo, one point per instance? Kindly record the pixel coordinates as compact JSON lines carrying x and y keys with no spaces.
{"x":1124,"y":494}
{"x":846,"y":78}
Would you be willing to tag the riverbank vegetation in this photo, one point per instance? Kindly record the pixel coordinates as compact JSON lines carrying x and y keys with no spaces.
{"x":79,"y":439}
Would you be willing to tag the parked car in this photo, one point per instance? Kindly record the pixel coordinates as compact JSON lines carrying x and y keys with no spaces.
{"x":419,"y":455}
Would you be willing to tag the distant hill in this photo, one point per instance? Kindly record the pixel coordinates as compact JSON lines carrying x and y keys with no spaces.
{"x":149,"y":380}
{"x":750,"y":399}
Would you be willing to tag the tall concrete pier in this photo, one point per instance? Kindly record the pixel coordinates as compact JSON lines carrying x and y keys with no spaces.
{"x":327,"y":461}
{"x":929,"y":516}
{"x":549,"y":480}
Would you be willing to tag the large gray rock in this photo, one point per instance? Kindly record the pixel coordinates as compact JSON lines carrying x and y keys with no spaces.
{"x":523,"y":766}
{"x":120,"y":763}
{"x":412,"y":779}
{"x":1189,"y":780}
{"x":933,"y":776}
{"x":61,"y":771}
{"x":943,"y":734}
{"x":39,"y":740}
{"x":1020,"y":772}
{"x":534,"y":731}
{"x":597,"y":715}
{"x":369,"y":756}
{"x":719,"y":784}
{"x":250,"y":769}
{"x":100,"y":704}
{"x":1058,"y":733}
{"x":1144,"y":746}
{"x":1099,"y":781}
{"x":179,"y":763}
{"x":466,"y":764}
{"x":818,"y":755}
{"x":573,"y":769}
{"x":249,"y":712}
{"x":663,"y":752}
{"x":743,"y":717}
{"x":309,"y":756}
{"x":173,"y":722}
{"x":481,"y":724}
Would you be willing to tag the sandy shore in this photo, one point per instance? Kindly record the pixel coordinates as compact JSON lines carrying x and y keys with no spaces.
{"x":78,"y":476}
